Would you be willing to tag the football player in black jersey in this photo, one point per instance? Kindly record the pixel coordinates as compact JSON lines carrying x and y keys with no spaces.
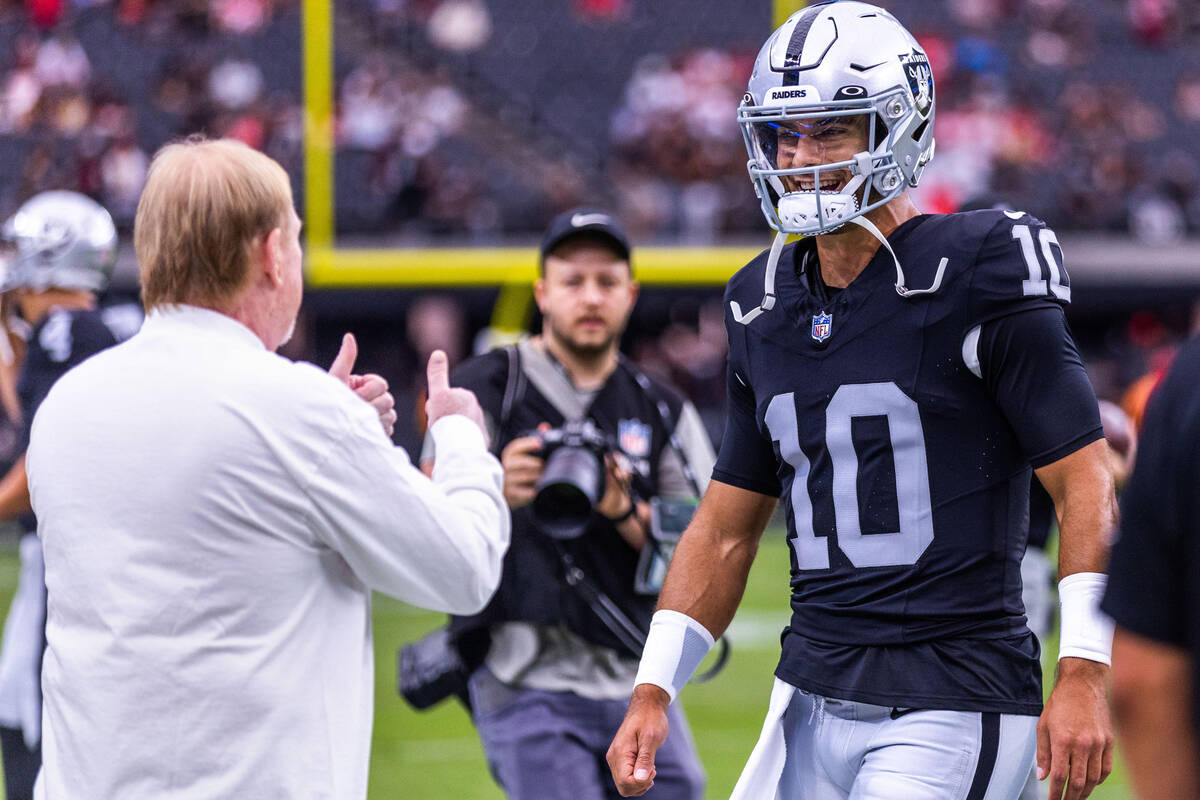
{"x":894,"y":377}
{"x":60,"y":249}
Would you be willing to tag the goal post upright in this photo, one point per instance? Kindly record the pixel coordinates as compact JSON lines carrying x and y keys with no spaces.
{"x":513,"y":269}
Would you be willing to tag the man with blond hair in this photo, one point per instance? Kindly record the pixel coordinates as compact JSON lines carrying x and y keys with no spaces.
{"x":214,"y":517}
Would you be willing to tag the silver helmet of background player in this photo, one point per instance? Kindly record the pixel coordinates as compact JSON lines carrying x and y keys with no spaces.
{"x":61,"y":240}
{"x":830,"y":61}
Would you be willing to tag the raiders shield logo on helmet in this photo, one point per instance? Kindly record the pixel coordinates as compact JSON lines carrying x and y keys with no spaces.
{"x":920,"y":79}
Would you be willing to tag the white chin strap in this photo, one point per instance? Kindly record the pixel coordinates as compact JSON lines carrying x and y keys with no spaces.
{"x":798,"y":210}
{"x":768,"y":301}
{"x":901,"y":289}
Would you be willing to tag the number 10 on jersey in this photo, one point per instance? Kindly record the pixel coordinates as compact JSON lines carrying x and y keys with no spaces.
{"x":895,"y":548}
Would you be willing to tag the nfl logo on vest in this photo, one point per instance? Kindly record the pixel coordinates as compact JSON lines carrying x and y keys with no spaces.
{"x":822,"y":326}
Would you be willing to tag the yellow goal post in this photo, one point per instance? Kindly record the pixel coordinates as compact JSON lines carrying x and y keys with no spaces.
{"x":513,"y":269}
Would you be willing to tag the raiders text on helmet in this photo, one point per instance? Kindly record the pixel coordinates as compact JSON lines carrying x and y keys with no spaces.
{"x":837,"y":62}
{"x":60,"y":240}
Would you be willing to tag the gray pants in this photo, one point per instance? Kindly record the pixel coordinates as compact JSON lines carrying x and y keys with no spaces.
{"x":552,"y":745}
{"x":844,"y":750}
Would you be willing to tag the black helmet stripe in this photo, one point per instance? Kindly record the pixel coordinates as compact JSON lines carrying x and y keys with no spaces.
{"x":795,"y":48}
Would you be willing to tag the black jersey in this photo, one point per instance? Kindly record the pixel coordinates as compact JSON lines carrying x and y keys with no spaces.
{"x":1152,"y":587}
{"x":900,"y":432}
{"x":60,"y":341}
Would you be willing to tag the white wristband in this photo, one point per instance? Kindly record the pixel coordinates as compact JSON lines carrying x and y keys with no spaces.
{"x":1086,"y":631}
{"x":675,"y":646}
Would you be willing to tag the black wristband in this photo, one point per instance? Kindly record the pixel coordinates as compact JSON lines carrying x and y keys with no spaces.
{"x":618,"y":520}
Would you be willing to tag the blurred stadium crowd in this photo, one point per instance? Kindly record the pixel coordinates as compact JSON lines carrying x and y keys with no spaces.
{"x":481,"y":118}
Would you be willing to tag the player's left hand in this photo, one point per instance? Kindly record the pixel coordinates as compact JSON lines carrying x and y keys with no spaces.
{"x":1074,"y":734}
{"x":371,"y":388}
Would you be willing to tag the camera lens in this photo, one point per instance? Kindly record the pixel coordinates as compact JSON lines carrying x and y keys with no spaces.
{"x":571,"y":484}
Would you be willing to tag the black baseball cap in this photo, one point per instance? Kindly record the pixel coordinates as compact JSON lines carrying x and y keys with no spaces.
{"x":585,"y":220}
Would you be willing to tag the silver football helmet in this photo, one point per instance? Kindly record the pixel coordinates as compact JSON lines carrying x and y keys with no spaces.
{"x":836,"y":65}
{"x":61,"y":240}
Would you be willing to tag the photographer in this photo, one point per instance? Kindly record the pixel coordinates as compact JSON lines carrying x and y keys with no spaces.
{"x":553,"y":658}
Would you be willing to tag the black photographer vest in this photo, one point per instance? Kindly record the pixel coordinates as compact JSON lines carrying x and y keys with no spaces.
{"x":533,"y":587}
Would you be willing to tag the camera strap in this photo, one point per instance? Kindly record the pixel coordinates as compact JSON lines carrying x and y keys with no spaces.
{"x":514,"y":389}
{"x":629,"y":634}
{"x":669,"y":425}
{"x":668,"y":421}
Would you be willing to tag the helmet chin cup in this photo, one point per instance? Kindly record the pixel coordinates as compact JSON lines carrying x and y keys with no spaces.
{"x":812,"y":212}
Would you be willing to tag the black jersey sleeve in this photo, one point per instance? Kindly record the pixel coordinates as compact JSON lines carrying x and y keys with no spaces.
{"x":1033,"y":371}
{"x":1019,"y":266}
{"x":746,"y":458}
{"x":1152,"y":558}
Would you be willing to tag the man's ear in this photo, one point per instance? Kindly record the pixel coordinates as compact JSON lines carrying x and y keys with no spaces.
{"x":539,"y":292}
{"x":272,"y":255}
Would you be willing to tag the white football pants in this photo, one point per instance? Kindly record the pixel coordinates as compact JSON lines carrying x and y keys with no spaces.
{"x":819,"y":748}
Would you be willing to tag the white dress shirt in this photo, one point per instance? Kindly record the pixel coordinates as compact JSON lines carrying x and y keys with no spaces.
{"x":214,"y":518}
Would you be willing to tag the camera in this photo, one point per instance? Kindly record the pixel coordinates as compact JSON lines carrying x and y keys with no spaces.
{"x":573,"y":479}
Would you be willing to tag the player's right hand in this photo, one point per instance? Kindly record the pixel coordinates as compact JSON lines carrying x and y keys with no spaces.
{"x":1074,"y":733}
{"x":523,"y":464}
{"x":444,"y":399}
{"x":631,"y":754}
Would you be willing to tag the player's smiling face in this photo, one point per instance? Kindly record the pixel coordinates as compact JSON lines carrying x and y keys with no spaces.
{"x":813,"y":142}
{"x":585,"y":296}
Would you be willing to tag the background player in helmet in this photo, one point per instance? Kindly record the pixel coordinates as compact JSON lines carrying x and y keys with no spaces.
{"x":61,"y":250}
{"x":894,"y":377}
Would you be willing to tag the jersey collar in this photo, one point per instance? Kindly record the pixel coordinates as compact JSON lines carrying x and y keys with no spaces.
{"x":811,"y":290}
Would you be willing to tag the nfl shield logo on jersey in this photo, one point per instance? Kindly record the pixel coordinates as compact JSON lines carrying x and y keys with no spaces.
{"x":633,"y":437}
{"x":822,"y":326}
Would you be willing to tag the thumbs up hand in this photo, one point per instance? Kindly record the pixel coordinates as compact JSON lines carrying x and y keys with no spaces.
{"x":343,"y":363}
{"x":445,"y":399}
{"x":371,"y":388}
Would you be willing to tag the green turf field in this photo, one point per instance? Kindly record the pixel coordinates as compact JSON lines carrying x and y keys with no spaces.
{"x":435,"y":755}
